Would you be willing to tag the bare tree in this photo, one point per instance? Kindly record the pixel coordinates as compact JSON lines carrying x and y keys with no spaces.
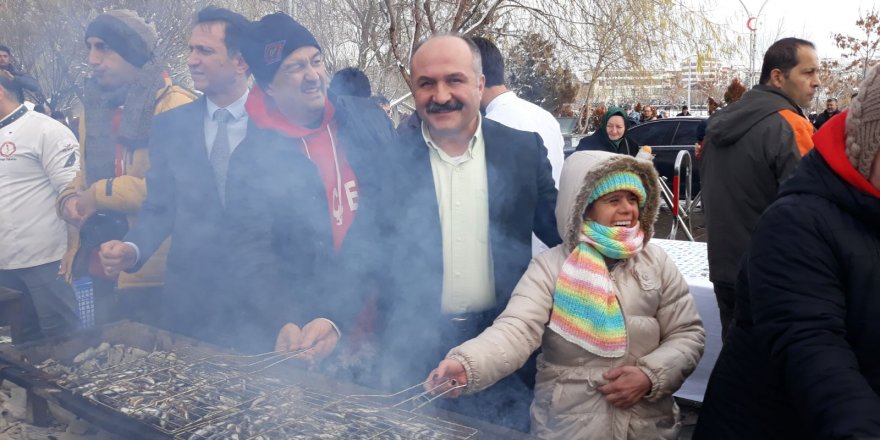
{"x":47,"y":38}
{"x":537,"y":75}
{"x":861,"y":51}
{"x":625,"y":35}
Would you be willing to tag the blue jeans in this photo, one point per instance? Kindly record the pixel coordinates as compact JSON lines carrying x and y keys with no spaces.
{"x":53,"y":299}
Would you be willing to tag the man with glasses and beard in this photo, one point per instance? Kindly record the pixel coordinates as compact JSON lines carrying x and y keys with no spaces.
{"x":307,"y":195}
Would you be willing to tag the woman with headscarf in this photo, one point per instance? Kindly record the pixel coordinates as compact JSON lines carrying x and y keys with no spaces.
{"x":618,"y":327}
{"x":611,"y":135}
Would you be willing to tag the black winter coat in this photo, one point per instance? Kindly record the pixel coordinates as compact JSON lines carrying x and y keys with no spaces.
{"x":281,"y":241}
{"x":599,"y":141}
{"x":749,"y":150}
{"x":802,"y":360}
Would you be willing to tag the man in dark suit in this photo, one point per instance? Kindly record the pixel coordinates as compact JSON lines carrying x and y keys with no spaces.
{"x":190,"y":148}
{"x":492,"y":186}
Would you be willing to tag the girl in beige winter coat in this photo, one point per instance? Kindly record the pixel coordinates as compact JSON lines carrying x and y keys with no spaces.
{"x":619,"y":330}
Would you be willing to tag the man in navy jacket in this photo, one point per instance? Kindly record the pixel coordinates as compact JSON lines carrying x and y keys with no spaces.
{"x":492,"y":187}
{"x":184,"y":184}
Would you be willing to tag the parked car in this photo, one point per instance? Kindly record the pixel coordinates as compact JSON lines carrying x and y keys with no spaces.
{"x":667,"y":137}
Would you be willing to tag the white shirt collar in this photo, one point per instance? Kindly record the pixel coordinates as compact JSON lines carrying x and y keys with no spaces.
{"x":478,"y":135}
{"x":236,"y":108}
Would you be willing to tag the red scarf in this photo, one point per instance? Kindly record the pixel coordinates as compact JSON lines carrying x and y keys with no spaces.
{"x":318,"y":144}
{"x":830,"y":141}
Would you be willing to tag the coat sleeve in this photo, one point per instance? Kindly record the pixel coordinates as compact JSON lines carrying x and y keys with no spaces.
{"x":123,"y":193}
{"x":799,"y":308}
{"x":545,"y":211}
{"x":60,"y":156}
{"x":783,"y":148}
{"x":682,"y":337}
{"x":78,"y":182}
{"x":505,"y":346}
{"x":30,"y":83}
{"x":157,"y":212}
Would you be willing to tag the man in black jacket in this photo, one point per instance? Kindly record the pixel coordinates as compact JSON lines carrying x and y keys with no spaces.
{"x":492,"y":187}
{"x":801,"y":360}
{"x":751,"y":147}
{"x":27,"y":82}
{"x":831,"y":110}
{"x":308,"y":193}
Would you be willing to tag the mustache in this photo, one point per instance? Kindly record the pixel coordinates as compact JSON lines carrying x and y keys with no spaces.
{"x":308,"y":84}
{"x":451,"y":105}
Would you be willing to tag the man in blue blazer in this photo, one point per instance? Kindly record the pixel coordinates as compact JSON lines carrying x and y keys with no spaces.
{"x":190,"y":147}
{"x":492,"y":187}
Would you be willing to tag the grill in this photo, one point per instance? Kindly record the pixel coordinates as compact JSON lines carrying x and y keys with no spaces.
{"x":142,"y":382}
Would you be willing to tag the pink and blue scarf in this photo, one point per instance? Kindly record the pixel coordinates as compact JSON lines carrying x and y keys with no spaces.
{"x":586,"y":311}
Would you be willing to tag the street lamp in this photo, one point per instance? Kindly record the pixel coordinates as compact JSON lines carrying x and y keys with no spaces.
{"x":752,"y":25}
{"x":690,"y":75}
{"x":689,"y":91}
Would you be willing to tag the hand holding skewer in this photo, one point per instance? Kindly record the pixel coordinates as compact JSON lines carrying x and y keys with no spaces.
{"x":319,"y":335}
{"x":448,"y":379}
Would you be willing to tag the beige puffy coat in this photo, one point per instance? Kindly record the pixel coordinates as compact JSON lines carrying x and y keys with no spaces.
{"x":664,"y":330}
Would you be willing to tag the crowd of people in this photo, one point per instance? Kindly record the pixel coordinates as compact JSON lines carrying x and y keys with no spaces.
{"x":456,"y":251}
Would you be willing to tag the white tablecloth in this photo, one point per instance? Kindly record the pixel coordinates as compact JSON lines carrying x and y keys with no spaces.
{"x":693,"y":262}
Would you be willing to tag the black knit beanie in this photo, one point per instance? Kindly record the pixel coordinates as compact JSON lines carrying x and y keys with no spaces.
{"x":127,"y":34}
{"x":269,"y":41}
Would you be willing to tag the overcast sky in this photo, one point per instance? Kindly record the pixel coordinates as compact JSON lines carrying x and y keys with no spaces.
{"x":814,"y":20}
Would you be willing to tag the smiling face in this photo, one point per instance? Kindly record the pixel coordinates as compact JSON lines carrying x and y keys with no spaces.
{"x":446,"y":87}
{"x":618,"y":208}
{"x":300,"y":85}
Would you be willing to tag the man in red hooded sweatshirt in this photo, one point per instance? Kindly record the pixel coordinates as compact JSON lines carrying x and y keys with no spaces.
{"x":306,"y":193}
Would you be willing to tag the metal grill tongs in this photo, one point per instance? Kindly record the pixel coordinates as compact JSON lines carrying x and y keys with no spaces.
{"x":362,"y":416}
{"x":418,"y":400}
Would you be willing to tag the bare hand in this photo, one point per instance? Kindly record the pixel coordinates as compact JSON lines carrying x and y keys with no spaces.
{"x":70,"y":211}
{"x":321,"y":337}
{"x":117,"y":256}
{"x":288,"y":338}
{"x":449,"y":374}
{"x":87,"y":204}
{"x":627,"y":387}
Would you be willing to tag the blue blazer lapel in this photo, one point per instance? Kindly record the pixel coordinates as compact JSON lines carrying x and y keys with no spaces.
{"x":196,"y":127}
{"x":496,"y":160}
{"x":197,"y":158}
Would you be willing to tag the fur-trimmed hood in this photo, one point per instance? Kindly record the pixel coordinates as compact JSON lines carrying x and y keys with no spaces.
{"x":581,"y":173}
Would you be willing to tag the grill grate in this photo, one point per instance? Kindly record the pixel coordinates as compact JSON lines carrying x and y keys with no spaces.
{"x":188,"y":395}
{"x":302,"y":412}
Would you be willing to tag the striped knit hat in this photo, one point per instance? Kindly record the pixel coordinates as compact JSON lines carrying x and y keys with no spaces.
{"x":863,"y":124}
{"x":621,"y":180}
